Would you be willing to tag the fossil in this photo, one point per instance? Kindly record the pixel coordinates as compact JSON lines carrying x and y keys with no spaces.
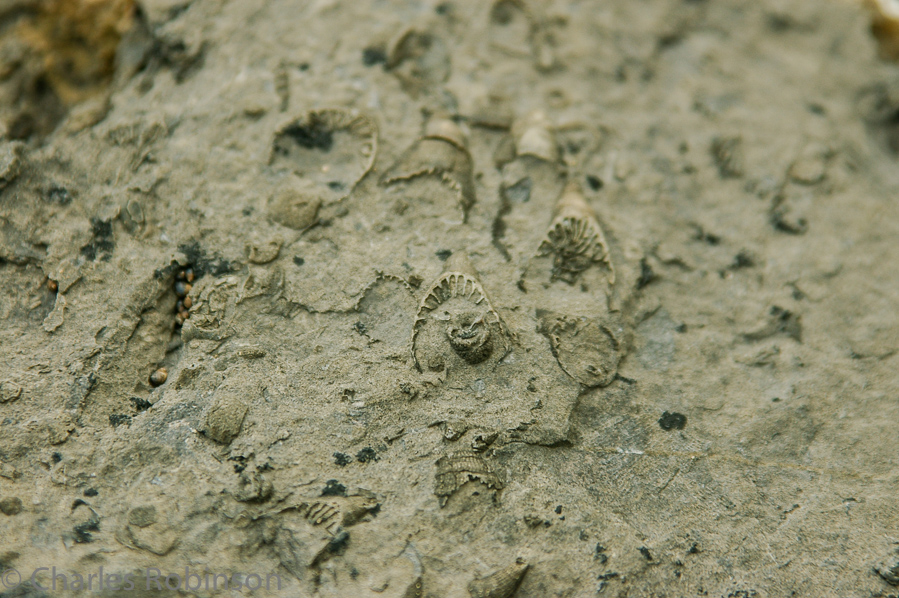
{"x":419,"y":59}
{"x":333,"y":513}
{"x":331,"y":149}
{"x":588,"y":349}
{"x":885,"y":27}
{"x":534,"y":136}
{"x":536,"y":36}
{"x":294,"y":207}
{"x":457,"y":469}
{"x":575,"y":239}
{"x":501,"y":584}
{"x":441,"y":152}
{"x":456,"y":312}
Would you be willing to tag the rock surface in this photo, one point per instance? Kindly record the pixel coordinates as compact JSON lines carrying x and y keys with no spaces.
{"x":704,"y":403}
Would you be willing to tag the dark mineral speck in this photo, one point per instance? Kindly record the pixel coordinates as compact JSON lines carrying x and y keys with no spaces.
{"x":672,"y":421}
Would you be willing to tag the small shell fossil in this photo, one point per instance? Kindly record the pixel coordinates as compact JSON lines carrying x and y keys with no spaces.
{"x":539,"y":40}
{"x":294,"y":207}
{"x":885,"y":27}
{"x":333,"y":148}
{"x":501,"y":584}
{"x":587,"y":349}
{"x":419,"y":59}
{"x":456,"y":311}
{"x":457,"y":469}
{"x":575,"y":239}
{"x":383,"y":310}
{"x":336,"y":513}
{"x":447,"y":130}
{"x":159,"y":377}
{"x":323,"y":513}
{"x":442,"y":152}
{"x":534,"y":136}
{"x":225,"y":417}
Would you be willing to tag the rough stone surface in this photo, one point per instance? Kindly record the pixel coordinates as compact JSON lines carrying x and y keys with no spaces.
{"x":741,"y":160}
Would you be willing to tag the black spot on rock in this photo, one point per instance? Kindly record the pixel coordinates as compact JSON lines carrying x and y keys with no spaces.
{"x":334,"y":488}
{"x":443,"y":254}
{"x":672,"y":421}
{"x":705,"y":237}
{"x":203,"y":263}
{"x":646,"y":274}
{"x":594,"y":182}
{"x":140,"y":404}
{"x":314,"y":135}
{"x":59,"y":195}
{"x":367,"y":455}
{"x":117,"y":419}
{"x":91,"y":492}
{"x":342,"y":459}
{"x":102,"y":243}
{"x":338,"y":544}
{"x":743,"y":260}
{"x":372,"y":56}
{"x":83,"y":531}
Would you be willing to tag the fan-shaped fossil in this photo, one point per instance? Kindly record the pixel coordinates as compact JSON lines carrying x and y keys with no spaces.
{"x":587,"y":349}
{"x":575,"y":239}
{"x":441,"y":152}
{"x":333,"y":148}
{"x":455,"y":313}
{"x":501,"y":584}
{"x":457,"y":469}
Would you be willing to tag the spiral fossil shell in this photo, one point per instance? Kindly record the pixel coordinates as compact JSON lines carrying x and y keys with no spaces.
{"x":456,"y":312}
{"x":575,"y":239}
{"x":501,"y":584}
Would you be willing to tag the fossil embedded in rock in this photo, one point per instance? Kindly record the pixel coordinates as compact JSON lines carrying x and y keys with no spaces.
{"x":519,"y":27}
{"x":534,"y":136}
{"x":419,"y":59}
{"x":501,"y":584}
{"x":441,"y":152}
{"x":158,"y":377}
{"x":575,"y":239}
{"x":294,"y":207}
{"x":456,"y":313}
{"x":885,"y":27}
{"x":332,"y":148}
{"x":587,"y":349}
{"x":334,"y":513}
{"x":457,"y":469}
